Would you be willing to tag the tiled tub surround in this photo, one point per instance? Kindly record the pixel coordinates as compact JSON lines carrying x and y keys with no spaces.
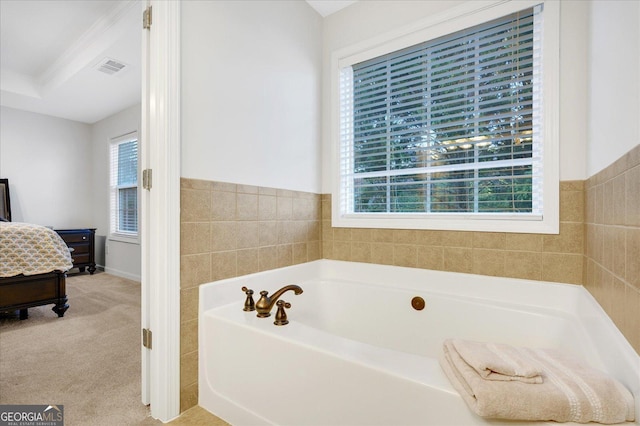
{"x":228,"y":230}
{"x":531,"y":256}
{"x":612,"y":250}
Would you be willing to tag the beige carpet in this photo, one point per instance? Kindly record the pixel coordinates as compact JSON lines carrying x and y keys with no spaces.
{"x":88,"y":361}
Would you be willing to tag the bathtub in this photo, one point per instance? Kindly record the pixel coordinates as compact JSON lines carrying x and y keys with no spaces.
{"x":355,"y":351}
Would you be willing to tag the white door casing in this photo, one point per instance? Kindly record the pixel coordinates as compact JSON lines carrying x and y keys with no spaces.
{"x":161,"y":210}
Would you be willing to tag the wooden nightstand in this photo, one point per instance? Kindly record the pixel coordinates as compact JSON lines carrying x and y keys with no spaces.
{"x":82,"y":241}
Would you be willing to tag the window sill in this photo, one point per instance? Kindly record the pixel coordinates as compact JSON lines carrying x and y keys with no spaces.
{"x":463,"y":222}
{"x":124,"y":238}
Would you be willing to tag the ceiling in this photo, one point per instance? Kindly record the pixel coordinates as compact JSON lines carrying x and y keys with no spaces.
{"x":51,"y":52}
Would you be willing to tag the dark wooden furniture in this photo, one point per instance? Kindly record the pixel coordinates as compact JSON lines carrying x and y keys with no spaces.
{"x":20,"y":293}
{"x":5,"y":201}
{"x":82,"y":243}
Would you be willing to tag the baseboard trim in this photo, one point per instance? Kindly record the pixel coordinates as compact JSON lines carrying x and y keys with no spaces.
{"x":122,"y":274}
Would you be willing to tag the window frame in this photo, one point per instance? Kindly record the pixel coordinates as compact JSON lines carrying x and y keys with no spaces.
{"x":114,"y":233}
{"x":467,"y":15}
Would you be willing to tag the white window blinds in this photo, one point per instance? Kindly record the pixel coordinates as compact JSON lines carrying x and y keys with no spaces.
{"x":449,"y":126}
{"x":124,"y":186}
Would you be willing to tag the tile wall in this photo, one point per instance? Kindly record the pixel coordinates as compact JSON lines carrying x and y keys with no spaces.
{"x":228,"y":230}
{"x":612,"y":252}
{"x":531,"y":256}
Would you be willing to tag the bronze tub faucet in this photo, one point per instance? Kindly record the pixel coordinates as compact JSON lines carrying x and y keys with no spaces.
{"x":266,"y":302}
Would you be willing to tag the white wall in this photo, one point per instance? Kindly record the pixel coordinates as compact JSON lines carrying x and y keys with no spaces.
{"x":614,"y":82}
{"x":46,"y":161}
{"x":370,"y":19}
{"x":117,"y":257}
{"x":251,"y":97}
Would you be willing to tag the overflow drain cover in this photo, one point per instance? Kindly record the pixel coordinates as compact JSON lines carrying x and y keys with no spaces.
{"x":417,"y":303}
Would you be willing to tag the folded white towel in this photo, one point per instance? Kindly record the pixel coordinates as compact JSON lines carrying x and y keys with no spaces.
{"x":569,"y":392}
{"x":494,"y":361}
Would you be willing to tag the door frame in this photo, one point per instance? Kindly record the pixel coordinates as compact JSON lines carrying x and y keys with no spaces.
{"x":161,"y":209}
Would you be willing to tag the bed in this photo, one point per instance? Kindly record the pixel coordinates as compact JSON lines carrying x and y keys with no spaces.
{"x":33,"y":265}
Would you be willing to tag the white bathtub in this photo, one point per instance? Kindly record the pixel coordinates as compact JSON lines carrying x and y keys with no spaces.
{"x":356,"y":353}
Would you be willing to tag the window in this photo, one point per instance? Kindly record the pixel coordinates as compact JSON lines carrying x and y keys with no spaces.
{"x":124,"y":186}
{"x":449,"y":131}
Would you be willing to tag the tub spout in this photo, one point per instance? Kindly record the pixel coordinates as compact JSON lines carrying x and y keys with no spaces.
{"x":266,"y":302}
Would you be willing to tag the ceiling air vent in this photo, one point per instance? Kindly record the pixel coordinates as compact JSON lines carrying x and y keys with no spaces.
{"x":110,"y":66}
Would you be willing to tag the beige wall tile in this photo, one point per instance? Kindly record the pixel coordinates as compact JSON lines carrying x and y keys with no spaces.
{"x":619,"y":246}
{"x":189,"y":337}
{"x":632,"y":197}
{"x":382,"y":235}
{"x":188,"y":369}
{"x":300,"y":253}
{"x":268,"y":258}
{"x":327,"y":250}
{"x":489,"y":262}
{"x":223,"y":265}
{"x":570,"y":239}
{"x":632,"y":267}
{"x":524,"y":242}
{"x":405,"y":255}
{"x":313,"y":230}
{"x":189,"y":304}
{"x":224,"y":236}
{"x":284,"y":208}
{"x":247,"y":207}
{"x":195,"y":270}
{"x":617,"y":311}
{"x":342,"y":250}
{"x":186,"y":183}
{"x":361,"y":234}
{"x":285,"y":255}
{"x":327,"y":231}
{"x":457,"y":239}
{"x":314,"y":250}
{"x":285,"y":232}
{"x":632,"y":314}
{"x":429,"y":238}
{"x":194,"y":238}
{"x":382,"y":253}
{"x":267,"y":207}
{"x":248,"y":235}
{"x":248,"y":261}
{"x":458,"y":259}
{"x":571,"y":185}
{"x":361,"y":252}
{"x":247,"y":189}
{"x":607,"y":212}
{"x":223,"y":205}
{"x":619,"y":200}
{"x":188,"y":397}
{"x":490,"y":240}
{"x":572,"y":206}
{"x":326,"y":209}
{"x":267,"y":191}
{"x":267,"y":233}
{"x":224,"y":186}
{"x":194,"y":205}
{"x":562,"y":268}
{"x":342,"y":234}
{"x":430,"y":257}
{"x":404,"y":236}
{"x":299,"y":229}
{"x":523,"y":264}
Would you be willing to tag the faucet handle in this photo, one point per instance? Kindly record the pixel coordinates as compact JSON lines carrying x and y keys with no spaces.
{"x":281,"y":315}
{"x":249,"y":304}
